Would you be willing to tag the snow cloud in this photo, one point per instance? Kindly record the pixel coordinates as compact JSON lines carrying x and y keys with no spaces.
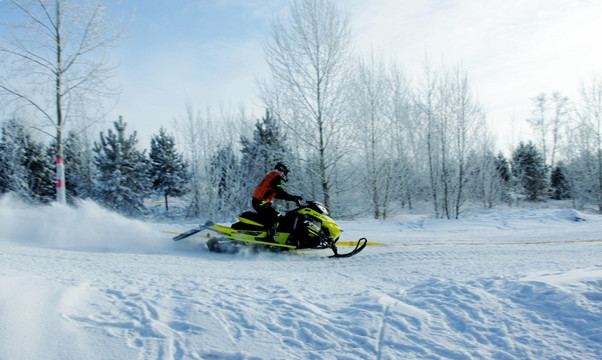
{"x":86,"y":226}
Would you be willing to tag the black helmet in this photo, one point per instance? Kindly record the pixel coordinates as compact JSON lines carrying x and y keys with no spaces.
{"x":281,"y":168}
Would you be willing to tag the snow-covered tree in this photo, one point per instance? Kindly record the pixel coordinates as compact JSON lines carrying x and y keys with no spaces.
{"x":228,"y":182}
{"x":122,"y":182}
{"x":169,"y":171}
{"x":485,"y":179}
{"x":453,"y":124}
{"x":581,"y":178}
{"x":41,"y":172}
{"x":550,"y":115}
{"x":25,"y":168}
{"x":13,"y":172}
{"x":559,"y":183}
{"x":403,"y":135}
{"x":263,"y":151}
{"x":80,"y":171}
{"x":195,"y":141}
{"x":308,"y":58}
{"x":529,"y":169}
{"x":369,"y":96}
{"x":55,"y":62}
{"x":200,"y":135}
{"x":504,"y":173}
{"x":587,"y":143}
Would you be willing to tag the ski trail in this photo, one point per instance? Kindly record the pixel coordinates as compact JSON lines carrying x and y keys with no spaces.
{"x":381,"y":332}
{"x":150,"y":328}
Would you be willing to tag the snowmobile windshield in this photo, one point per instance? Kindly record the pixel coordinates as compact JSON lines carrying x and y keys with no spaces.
{"x":319,"y":207}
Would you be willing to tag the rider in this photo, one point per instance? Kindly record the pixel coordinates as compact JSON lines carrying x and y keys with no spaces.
{"x":270,"y":188}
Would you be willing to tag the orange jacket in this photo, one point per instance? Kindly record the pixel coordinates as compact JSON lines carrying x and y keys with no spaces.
{"x":271,"y":187}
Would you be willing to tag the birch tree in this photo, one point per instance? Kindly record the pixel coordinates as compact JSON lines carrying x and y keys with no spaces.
{"x":195,"y":133}
{"x":308,"y":59}
{"x":589,"y":112}
{"x":550,"y":116}
{"x":453,"y":123}
{"x":404,"y":138}
{"x":427,"y":103}
{"x":54,"y":63}
{"x":367,"y":102}
{"x":468,"y":131}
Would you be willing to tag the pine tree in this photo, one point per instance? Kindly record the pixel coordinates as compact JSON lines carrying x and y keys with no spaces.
{"x":25,"y":170}
{"x":529,"y":169}
{"x":79,"y":167}
{"x":169,"y":172}
{"x":13,"y":173}
{"x":559,"y":183}
{"x":122,"y":180}
{"x":41,"y":172}
{"x":505,"y":176}
{"x":502,"y":167}
{"x":228,"y":183}
{"x":260,"y":154}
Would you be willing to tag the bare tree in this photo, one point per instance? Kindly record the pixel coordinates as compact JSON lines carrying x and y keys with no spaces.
{"x":560,"y":119}
{"x":427,"y":101}
{"x":196,"y":142}
{"x":308,"y":60}
{"x":539,"y":122}
{"x":468,"y":130}
{"x":54,"y":63}
{"x":590,"y":116}
{"x":210,"y":144}
{"x":550,"y":116}
{"x":454,"y":122}
{"x":404,"y":139}
{"x":369,"y":92}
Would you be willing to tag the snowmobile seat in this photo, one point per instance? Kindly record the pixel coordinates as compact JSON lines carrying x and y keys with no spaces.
{"x":253,"y":216}
{"x":249,"y":215}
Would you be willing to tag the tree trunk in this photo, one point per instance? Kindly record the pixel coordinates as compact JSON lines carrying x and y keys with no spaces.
{"x":60,"y":166}
{"x":432,"y":174}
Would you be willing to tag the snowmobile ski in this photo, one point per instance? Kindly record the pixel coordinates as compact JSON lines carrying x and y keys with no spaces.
{"x":361,"y":244}
{"x":188,"y":233}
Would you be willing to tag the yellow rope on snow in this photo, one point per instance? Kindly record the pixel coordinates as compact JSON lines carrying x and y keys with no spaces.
{"x":371,"y":243}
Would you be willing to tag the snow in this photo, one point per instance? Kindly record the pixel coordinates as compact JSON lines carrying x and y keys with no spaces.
{"x":84,"y":283}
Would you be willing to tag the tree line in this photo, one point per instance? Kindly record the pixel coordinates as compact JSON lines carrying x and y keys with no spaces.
{"x":360,"y":135}
{"x":219,"y":177}
{"x":112,"y":171}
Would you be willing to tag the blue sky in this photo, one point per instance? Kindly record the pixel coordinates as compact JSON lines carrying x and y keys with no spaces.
{"x":206,"y":53}
{"x":210,"y":52}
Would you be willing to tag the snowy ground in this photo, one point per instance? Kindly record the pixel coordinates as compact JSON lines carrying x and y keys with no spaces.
{"x":502,"y":284}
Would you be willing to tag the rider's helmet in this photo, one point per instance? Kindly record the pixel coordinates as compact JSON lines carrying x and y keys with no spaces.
{"x":283,"y":169}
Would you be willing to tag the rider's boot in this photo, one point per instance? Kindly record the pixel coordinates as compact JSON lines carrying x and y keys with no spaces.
{"x":271,"y":231}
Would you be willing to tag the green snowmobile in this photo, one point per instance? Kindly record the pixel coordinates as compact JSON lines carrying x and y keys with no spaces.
{"x":306,"y":227}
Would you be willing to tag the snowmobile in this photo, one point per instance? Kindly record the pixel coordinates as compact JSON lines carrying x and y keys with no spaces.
{"x":306,"y":227}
